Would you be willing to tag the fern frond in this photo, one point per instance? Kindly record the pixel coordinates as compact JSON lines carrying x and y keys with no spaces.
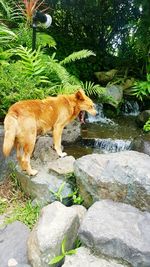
{"x":93,"y":89}
{"x":67,"y":89}
{"x":59,"y":70}
{"x":44,"y":39}
{"x":6,"y":35}
{"x":32,"y":63}
{"x":5,"y":7}
{"x":76,"y":56}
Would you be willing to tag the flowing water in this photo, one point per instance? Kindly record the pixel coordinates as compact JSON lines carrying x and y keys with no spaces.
{"x":101,"y":134}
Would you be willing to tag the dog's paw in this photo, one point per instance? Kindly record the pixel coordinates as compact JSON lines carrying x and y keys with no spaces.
{"x":63,"y":154}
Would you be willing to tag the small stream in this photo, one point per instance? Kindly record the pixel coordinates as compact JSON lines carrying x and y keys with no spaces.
{"x":101,"y":134}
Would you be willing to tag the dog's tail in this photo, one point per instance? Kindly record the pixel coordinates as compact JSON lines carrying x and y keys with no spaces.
{"x":10,"y":130}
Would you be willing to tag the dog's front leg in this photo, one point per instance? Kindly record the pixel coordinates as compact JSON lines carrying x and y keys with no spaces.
{"x":57,"y":133}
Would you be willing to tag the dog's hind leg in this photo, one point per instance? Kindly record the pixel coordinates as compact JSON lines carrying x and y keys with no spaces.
{"x":25,"y":161}
{"x":57,"y":133}
{"x":27,"y":141}
{"x":18,"y":151}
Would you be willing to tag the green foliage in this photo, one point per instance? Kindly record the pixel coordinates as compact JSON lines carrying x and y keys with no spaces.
{"x":34,"y":75}
{"x":6,"y":35}
{"x":3,"y":205}
{"x":64,"y":253}
{"x":15,"y":204}
{"x":32,"y":65}
{"x":93,"y":89}
{"x":74,"y":198}
{"x":9,"y":10}
{"x":16,"y":85}
{"x":24,"y":37}
{"x":77,"y":199}
{"x":141,"y":89}
{"x":146,"y":127}
{"x":26,"y":213}
{"x":5,"y":57}
{"x":58,"y":194}
{"x":77,"y":56}
{"x":44,"y":40}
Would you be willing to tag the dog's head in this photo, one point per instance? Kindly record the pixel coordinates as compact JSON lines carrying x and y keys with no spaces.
{"x":85,"y":103}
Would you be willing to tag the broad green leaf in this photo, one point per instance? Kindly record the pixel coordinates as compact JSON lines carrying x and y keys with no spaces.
{"x":56,"y":259}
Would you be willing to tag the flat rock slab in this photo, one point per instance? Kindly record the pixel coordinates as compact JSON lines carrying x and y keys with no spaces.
{"x":13,"y":243}
{"x":42,"y":187}
{"x":62,"y":166}
{"x":117,"y":230}
{"x":122,"y":176}
{"x":84,"y":258}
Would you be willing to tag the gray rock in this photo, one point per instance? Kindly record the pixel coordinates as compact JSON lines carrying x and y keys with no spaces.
{"x":105,"y":76}
{"x":6,"y":164}
{"x":118,"y":230}
{"x":52,"y":172}
{"x":143,"y":117}
{"x":114,"y":94}
{"x":81,"y":211}
{"x":23,"y":265}
{"x":62,"y":166}
{"x":2,"y":221}
{"x":84,"y":257}
{"x":44,"y":151}
{"x":122,"y":176}
{"x":13,"y":243}
{"x":141,"y":145}
{"x":42,"y":186}
{"x":71,"y":132}
{"x":56,"y":222}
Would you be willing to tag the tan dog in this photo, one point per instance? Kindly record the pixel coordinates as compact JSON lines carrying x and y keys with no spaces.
{"x":26,"y":119}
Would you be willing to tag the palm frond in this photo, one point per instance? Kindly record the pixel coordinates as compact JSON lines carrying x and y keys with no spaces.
{"x":77,"y":56}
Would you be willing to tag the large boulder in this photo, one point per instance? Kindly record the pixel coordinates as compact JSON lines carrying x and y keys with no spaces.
{"x":84,"y":257}
{"x":143,"y":117}
{"x":105,"y":76}
{"x":56,"y":223}
{"x":142,"y":145}
{"x":71,"y":132}
{"x":13,"y":243}
{"x":47,"y":182}
{"x":117,"y":230}
{"x":113,"y":95}
{"x":121,"y":176}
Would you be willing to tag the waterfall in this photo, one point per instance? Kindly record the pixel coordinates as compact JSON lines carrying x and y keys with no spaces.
{"x":100,"y":117}
{"x":130,"y":107}
{"x":108,"y":144}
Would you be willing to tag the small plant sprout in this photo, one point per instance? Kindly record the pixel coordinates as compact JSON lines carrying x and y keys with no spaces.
{"x":76,"y":198}
{"x":58,"y":194}
{"x":64,"y":253}
{"x":146,"y":127}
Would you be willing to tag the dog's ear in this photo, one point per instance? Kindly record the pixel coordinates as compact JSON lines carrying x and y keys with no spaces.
{"x":80,"y":95}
